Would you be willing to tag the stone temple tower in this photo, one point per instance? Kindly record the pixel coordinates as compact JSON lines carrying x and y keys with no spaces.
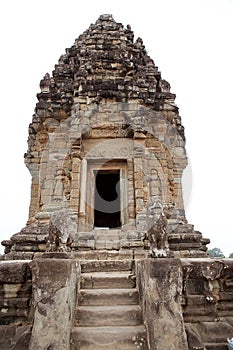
{"x":107,"y":259}
{"x":105,"y":137}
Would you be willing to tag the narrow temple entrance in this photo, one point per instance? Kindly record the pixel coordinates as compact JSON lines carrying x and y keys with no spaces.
{"x":107,"y":212}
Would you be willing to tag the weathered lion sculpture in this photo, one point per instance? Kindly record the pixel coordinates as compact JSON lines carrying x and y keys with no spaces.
{"x":62,"y":227}
{"x":157,"y":216}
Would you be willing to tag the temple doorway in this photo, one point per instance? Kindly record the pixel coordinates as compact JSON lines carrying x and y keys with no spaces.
{"x":107,"y":201}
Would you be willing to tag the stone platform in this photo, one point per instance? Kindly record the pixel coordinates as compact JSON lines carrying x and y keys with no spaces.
{"x":190,"y":299}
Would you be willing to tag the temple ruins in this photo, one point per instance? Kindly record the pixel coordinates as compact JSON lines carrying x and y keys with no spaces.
{"x":107,"y":259}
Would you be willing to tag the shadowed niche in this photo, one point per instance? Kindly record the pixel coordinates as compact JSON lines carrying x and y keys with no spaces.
{"x":107,"y":199}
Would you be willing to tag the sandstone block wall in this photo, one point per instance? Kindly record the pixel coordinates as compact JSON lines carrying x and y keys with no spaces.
{"x":208,"y":302}
{"x":187,"y":303}
{"x":16,"y":311}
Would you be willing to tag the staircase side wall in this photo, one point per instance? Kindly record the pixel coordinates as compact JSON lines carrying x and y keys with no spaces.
{"x":191,"y":294}
{"x":54,"y":299}
{"x":208,"y":302}
{"x":160,"y":288}
{"x":15,"y":304}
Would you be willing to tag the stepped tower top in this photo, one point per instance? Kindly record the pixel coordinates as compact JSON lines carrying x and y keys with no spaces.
{"x":106,"y":62}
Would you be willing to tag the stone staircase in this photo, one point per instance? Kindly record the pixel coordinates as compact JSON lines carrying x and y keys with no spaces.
{"x":108,"y":315}
{"x":110,"y":239}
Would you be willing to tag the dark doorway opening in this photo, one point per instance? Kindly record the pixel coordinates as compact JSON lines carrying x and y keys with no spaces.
{"x":107,"y":199}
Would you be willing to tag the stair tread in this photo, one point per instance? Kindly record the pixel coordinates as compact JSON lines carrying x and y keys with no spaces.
{"x":110,"y":337}
{"x":109,"y":291}
{"x":110,"y":329}
{"x":100,"y":275}
{"x":117,"y":296}
{"x":114,"y":315}
{"x":93,"y":308}
{"x":107,"y":274}
{"x":106,"y":265}
{"x":107,"y":280}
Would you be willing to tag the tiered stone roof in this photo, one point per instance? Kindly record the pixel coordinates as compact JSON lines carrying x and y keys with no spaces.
{"x":105,"y":63}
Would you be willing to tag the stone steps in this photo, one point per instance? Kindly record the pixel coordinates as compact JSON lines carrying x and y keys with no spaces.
{"x":214,"y":334}
{"x":109,"y":239}
{"x":108,"y":315}
{"x":110,"y":234}
{"x":105,"y":315}
{"x":106,"y":265}
{"x":216,"y":346}
{"x":112,"y":280}
{"x":109,"y":338}
{"x":109,"y":244}
{"x":100,"y":297}
{"x":104,"y":254}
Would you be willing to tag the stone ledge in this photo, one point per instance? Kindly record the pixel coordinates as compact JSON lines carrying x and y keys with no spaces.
{"x":14,"y":271}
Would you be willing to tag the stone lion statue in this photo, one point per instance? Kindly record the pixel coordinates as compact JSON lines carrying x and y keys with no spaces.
{"x":157,"y":216}
{"x":62,"y":228}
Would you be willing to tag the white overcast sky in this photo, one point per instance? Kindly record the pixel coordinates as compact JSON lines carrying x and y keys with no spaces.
{"x":191,"y":41}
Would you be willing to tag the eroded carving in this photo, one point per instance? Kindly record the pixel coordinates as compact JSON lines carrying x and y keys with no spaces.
{"x":157,"y":216}
{"x":62,"y":186}
{"x":212,"y":272}
{"x":62,"y":229}
{"x":154,"y":184}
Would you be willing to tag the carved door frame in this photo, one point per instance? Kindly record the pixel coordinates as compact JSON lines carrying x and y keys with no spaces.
{"x":89,"y":167}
